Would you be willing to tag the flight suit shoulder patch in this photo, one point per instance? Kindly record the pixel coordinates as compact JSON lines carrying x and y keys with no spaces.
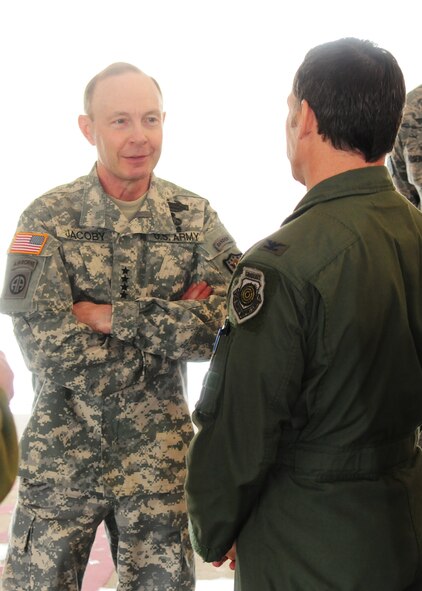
{"x":247,"y":294}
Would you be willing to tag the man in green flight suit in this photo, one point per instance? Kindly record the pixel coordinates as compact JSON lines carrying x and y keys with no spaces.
{"x":305,"y":471}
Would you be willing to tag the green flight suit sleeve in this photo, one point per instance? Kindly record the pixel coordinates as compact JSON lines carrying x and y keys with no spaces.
{"x":9,"y":454}
{"x":248,"y":394}
{"x":183,"y":329}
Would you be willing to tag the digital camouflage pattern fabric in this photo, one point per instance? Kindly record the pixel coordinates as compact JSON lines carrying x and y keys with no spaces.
{"x":54,"y":530}
{"x":405,"y":161}
{"x":110,"y":413}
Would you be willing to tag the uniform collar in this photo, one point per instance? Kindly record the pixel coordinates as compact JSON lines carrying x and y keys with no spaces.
{"x":362,"y":181}
{"x":99,"y":211}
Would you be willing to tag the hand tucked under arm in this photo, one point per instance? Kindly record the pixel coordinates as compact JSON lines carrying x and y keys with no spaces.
{"x":230,"y":555}
{"x":96,"y":316}
{"x":197,"y":291}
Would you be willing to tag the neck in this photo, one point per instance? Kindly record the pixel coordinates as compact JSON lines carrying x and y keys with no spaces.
{"x":335,"y":162}
{"x":122,"y":189}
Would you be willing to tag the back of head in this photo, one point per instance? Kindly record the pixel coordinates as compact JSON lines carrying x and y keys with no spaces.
{"x":357,"y":93}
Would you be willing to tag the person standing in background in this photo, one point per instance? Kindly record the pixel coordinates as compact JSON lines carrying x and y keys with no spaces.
{"x":113,"y":282}
{"x":9,"y":451}
{"x":405,"y":161}
{"x":305,"y":471}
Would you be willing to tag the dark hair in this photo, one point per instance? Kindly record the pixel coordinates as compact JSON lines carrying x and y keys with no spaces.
{"x":357,"y":93}
{"x":112,"y":70}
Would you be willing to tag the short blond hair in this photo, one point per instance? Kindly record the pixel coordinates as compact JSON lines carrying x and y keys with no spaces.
{"x":112,"y":70}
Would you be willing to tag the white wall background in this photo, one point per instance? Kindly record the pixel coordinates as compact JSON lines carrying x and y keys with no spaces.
{"x":225,"y":68}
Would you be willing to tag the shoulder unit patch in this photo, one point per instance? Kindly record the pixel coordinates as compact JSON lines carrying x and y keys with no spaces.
{"x":28,"y":243}
{"x":232,"y":260}
{"x":247,"y":295}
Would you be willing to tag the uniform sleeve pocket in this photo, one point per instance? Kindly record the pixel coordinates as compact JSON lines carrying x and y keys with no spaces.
{"x":22,"y":531}
{"x":213,"y":384}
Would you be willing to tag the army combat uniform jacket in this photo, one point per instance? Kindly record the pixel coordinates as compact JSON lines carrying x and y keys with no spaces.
{"x":109,"y":411}
{"x":306,"y":453}
{"x":405,"y":161}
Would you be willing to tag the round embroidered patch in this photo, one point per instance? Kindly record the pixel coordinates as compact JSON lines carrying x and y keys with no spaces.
{"x":247,"y":296}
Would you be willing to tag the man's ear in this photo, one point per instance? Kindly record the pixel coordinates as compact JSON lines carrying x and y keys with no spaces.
{"x":85,"y":125}
{"x":307,"y":120}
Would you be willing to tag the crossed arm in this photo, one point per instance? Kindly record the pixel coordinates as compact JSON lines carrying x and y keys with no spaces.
{"x":230,"y":555}
{"x":98,"y":316}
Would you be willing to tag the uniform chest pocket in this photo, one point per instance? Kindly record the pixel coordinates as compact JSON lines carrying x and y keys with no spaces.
{"x":169,"y":268}
{"x":90,"y":268}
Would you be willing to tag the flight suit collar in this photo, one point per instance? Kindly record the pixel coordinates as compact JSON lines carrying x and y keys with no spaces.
{"x":362,"y":181}
{"x":99,"y":211}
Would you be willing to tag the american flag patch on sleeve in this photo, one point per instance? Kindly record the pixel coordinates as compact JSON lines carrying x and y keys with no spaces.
{"x":28,"y":243}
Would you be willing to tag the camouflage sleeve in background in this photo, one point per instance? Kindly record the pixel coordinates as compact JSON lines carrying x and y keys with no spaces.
{"x":405,"y":161}
{"x":9,"y":452}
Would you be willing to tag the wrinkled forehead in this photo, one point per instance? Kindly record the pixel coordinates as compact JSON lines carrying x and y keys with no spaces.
{"x":129,"y":91}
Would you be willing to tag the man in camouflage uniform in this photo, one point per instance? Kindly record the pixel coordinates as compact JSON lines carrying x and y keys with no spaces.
{"x":405,"y":161}
{"x":114,"y":282}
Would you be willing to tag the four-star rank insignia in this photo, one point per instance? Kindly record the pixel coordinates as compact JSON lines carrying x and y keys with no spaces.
{"x":124,"y":283}
{"x":175,"y":208}
{"x":247,"y":296}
